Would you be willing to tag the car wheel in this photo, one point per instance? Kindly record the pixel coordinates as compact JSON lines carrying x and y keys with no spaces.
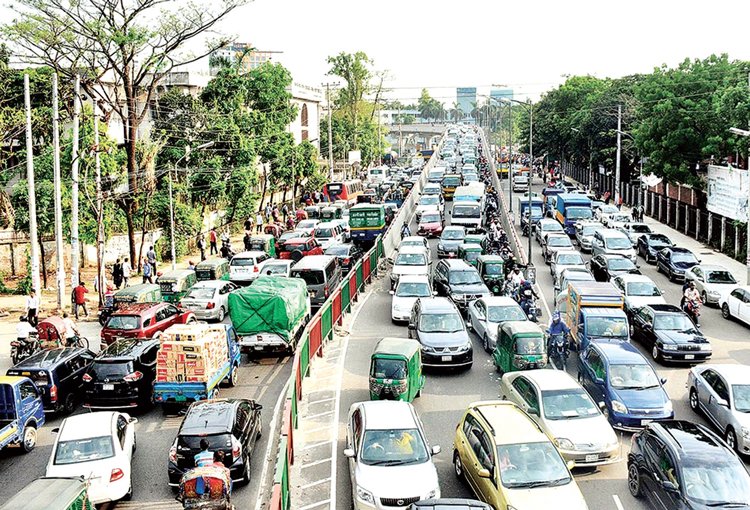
{"x":725,"y":311}
{"x":29,"y":439}
{"x":731,"y":439}
{"x":486,"y":343}
{"x":246,"y":474}
{"x":655,"y":353}
{"x":693,"y":400}
{"x":458,"y":466}
{"x":70,"y":404}
{"x":222,"y":314}
{"x":191,"y":320}
{"x":234,"y":378}
{"x":670,"y":274}
{"x":704,"y":298}
{"x":658,"y":267}
{"x":634,"y":481}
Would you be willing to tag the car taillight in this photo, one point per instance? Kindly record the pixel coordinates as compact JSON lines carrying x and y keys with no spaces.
{"x":236,"y":451}
{"x":210,"y":305}
{"x":173,"y":454}
{"x":255,"y":269}
{"x":346,"y":261}
{"x":135,"y":376}
{"x":53,"y":393}
{"x":87,"y":378}
{"x":326,"y":290}
{"x":116,"y":475}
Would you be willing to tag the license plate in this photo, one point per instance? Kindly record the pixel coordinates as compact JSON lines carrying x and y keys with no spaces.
{"x":108,"y":387}
{"x":592,"y":458}
{"x":646,"y":422}
{"x":180,"y":398}
{"x":446,"y":358}
{"x":689,"y":356}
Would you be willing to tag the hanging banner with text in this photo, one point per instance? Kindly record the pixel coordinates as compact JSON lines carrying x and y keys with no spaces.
{"x":728,"y":192}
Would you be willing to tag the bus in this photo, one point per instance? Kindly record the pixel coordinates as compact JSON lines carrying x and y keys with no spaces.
{"x":366,"y":222}
{"x":347,"y":190}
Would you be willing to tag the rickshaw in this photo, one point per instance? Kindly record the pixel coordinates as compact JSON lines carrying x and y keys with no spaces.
{"x":332,"y":212}
{"x":52,"y":334}
{"x":396,"y":370}
{"x":263,"y":242}
{"x":212,"y":269}
{"x":206,"y":488}
{"x":520,"y":345}
{"x":52,"y":494}
{"x":470,"y":253}
{"x":490,"y":269}
{"x":175,"y":284}
{"x":313,"y":212}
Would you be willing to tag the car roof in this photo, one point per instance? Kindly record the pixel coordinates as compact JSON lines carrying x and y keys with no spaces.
{"x":677,"y":249}
{"x":734,"y":374}
{"x":611,"y":232}
{"x":437,"y":305}
{"x":313,"y":262}
{"x":126,"y":348}
{"x":413,"y":238}
{"x":399,"y":346}
{"x":138,"y":308}
{"x":326,"y":224}
{"x":248,"y":254}
{"x":388,"y":414}
{"x":458,"y":264}
{"x":617,"y":352}
{"x":48,"y":358}
{"x":550,"y":379}
{"x":413,"y":249}
{"x":711,"y":267}
{"x":691,"y":439}
{"x":454,"y":227}
{"x":281,"y":262}
{"x":521,"y":328}
{"x":86,"y":425}
{"x":608,"y":256}
{"x":213,"y":284}
{"x":627,"y":278}
{"x":511,"y":425}
{"x":664,"y":308}
{"x":209,"y":417}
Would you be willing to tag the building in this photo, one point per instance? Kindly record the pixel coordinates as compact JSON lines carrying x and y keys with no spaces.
{"x":307,"y":124}
{"x":465,"y":97}
{"x":251,"y":58}
{"x":390,"y":117}
{"x":500,"y":94}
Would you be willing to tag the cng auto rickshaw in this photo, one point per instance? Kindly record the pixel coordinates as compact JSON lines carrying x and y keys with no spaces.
{"x":175,"y":284}
{"x":265,"y":243}
{"x":490,"y":269}
{"x":521,"y":345}
{"x":470,"y":253}
{"x":141,"y":293}
{"x":52,"y":494}
{"x":332,"y":212}
{"x":475,"y":239}
{"x":396,"y":370}
{"x":212,"y":269}
{"x":313,"y":212}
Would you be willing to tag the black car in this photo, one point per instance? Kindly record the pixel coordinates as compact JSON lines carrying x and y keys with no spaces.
{"x":346,"y":254}
{"x":229,"y":425}
{"x":459,"y":281}
{"x":648,"y":245}
{"x":674,"y":261}
{"x":449,"y":504}
{"x":439,"y":328}
{"x":605,"y":267}
{"x":680,"y":465}
{"x":670,"y":334}
{"x":122,"y":375}
{"x":57,"y":374}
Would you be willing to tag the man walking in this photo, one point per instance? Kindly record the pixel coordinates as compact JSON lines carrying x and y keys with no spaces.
{"x":117,"y":274}
{"x":147,"y":272}
{"x":32,"y":308}
{"x":202,"y":246}
{"x":258,"y":223}
{"x":285,"y":211}
{"x":80,"y":298}
{"x":151,"y":257}
{"x":126,"y":270}
{"x":212,"y":238}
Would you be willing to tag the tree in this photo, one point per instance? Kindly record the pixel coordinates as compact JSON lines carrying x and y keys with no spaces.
{"x":354,"y":69}
{"x":129,"y":45}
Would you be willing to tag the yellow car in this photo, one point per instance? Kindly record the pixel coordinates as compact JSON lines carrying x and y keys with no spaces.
{"x":510,"y":462}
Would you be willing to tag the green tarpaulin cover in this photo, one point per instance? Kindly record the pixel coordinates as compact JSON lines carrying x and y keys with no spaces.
{"x":272,"y":304}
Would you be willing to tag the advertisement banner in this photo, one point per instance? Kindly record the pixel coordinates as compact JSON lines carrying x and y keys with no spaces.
{"x":728,"y":192}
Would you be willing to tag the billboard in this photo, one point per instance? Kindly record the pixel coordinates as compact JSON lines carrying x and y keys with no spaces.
{"x":728,"y":192}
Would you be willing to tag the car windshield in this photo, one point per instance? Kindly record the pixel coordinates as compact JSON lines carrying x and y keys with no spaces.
{"x":440,"y":323}
{"x":721,"y":484}
{"x":570,"y":259}
{"x":385,"y":368}
{"x":111,"y":369}
{"x":640,"y":229}
{"x":741,"y":396}
{"x":410,"y":259}
{"x":568,"y":404}
{"x":505,"y":313}
{"x":559,"y":241}
{"x":493,"y":269}
{"x":451,"y":181}
{"x":415,"y":242}
{"x":413,"y":289}
{"x":393,"y":447}
{"x":607,"y":326}
{"x":200,"y":293}
{"x":84,"y":450}
{"x":123,"y":322}
{"x":659,"y":240}
{"x":590,"y":230}
{"x":453,"y":234}
{"x":578,"y":213}
{"x":632,"y":377}
{"x":464,"y":277}
{"x":673,"y":322}
{"x":617,"y":243}
{"x":551,"y":227}
{"x":531,"y":465}
{"x":643,"y":289}
{"x":529,"y":345}
{"x":609,"y":209}
{"x":682,"y":256}
{"x":311,"y":277}
{"x":323,"y":232}
{"x":720,"y":277}
{"x":430,"y":200}
{"x":242,"y":261}
{"x":337,"y":249}
{"x":271,"y":269}
{"x":430,"y":218}
{"x":620,"y":218}
{"x":306,"y":224}
{"x":466,"y":211}
{"x":620,"y":264}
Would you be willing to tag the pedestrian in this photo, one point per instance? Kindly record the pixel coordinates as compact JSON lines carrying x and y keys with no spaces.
{"x":212,"y":238}
{"x":117,"y":273}
{"x":126,"y":269}
{"x":285,"y":211}
{"x":249,"y":224}
{"x":247,"y":241}
{"x":607,"y":197}
{"x":32,"y":308}
{"x":151,"y":257}
{"x":275,"y":214}
{"x":191,"y":265}
{"x":224,"y":237}
{"x":201,"y":246}
{"x":634,"y":213}
{"x":640,"y":213}
{"x":258,"y":223}
{"x":268,"y":210}
{"x":148,"y":270}
{"x":80,"y":298}
{"x":96,"y":284}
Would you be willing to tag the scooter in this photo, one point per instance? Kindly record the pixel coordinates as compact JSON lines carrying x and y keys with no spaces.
{"x":20,"y":350}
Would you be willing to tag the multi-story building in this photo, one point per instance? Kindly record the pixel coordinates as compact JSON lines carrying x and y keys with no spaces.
{"x":465,"y":97}
{"x":251,"y":58}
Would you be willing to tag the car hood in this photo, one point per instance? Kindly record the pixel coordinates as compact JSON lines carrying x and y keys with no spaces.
{"x":474,"y":288}
{"x":594,"y":429}
{"x":397,"y":481}
{"x":451,"y":243}
{"x":403,"y":270}
{"x":565,"y":496}
{"x":721,"y":288}
{"x":618,"y":272}
{"x":678,"y":337}
{"x":403,"y":303}
{"x":454,"y":339}
{"x":651,"y":398}
{"x":639,"y":301}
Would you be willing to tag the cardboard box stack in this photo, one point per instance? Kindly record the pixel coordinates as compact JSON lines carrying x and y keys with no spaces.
{"x":191,"y":353}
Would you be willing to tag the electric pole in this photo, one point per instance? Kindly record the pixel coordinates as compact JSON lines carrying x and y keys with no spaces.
{"x":74,"y":263}
{"x":58,"y":200}
{"x":380,"y":149}
{"x":617,"y":162}
{"x":35,"y":284}
{"x":330,"y":130}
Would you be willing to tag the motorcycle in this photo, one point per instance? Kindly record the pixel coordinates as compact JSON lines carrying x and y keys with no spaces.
{"x":528,"y":302}
{"x":693,"y":308}
{"x":558,"y":351}
{"x":20,"y":350}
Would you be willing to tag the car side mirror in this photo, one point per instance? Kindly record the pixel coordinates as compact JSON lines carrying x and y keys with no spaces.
{"x":434,"y":293}
{"x":637,"y":266}
{"x":662,"y":293}
{"x":411,"y":326}
{"x":663,"y":380}
{"x":598,"y":380}
{"x":484,"y":473}
{"x":533,"y":411}
{"x":602,"y":405}
{"x":349,"y":453}
{"x":392,"y":292}
{"x":571,"y":464}
{"x":436,"y":449}
{"x":133,"y":420}
{"x":648,"y":326}
{"x":668,"y":486}
{"x":56,"y":430}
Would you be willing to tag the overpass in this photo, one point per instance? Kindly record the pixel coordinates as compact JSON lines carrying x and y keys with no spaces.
{"x":410,"y":134}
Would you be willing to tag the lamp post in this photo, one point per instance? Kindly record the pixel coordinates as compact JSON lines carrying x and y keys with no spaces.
{"x":171,"y":204}
{"x":743,"y":132}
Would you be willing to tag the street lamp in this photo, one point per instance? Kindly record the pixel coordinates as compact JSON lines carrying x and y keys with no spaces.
{"x":171,"y":204}
{"x":743,"y":132}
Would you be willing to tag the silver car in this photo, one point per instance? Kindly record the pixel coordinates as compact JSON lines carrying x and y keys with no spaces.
{"x":584,"y":232}
{"x":209,"y":299}
{"x":278,"y":267}
{"x":547,"y":225}
{"x":564,"y":259}
{"x":566,"y":413}
{"x":711,"y":281}
{"x":552,"y":243}
{"x":487,"y":313}
{"x":722,"y":394}
{"x":614,"y":242}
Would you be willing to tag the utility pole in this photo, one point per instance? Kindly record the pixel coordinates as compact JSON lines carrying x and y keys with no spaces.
{"x":74,"y":263}
{"x":531,"y":167}
{"x":35,"y":284}
{"x":400,"y":135}
{"x":100,"y":214}
{"x":617,"y":164}
{"x":330,"y":129}
{"x":510,"y":157}
{"x":58,"y":199}
{"x":171,"y":221}
{"x":380,"y":149}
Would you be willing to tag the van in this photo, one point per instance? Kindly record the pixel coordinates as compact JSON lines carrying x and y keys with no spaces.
{"x":322,"y":275}
{"x":396,"y":370}
{"x":328,"y":234}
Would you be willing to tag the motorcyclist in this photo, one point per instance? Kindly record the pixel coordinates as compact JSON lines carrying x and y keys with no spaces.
{"x":556,"y":327}
{"x":23,"y":329}
{"x":405,"y":232}
{"x":526,"y":285}
{"x":516,"y":276}
{"x":692,"y":301}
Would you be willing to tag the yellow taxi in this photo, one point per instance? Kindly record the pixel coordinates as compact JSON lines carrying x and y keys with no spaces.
{"x":510,"y":462}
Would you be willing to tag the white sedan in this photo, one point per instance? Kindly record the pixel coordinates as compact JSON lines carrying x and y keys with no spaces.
{"x":306,"y":226}
{"x":408,"y":290}
{"x":209,"y":299}
{"x":711,"y":281}
{"x":486,"y":314}
{"x":99,"y":447}
{"x":736,"y":304}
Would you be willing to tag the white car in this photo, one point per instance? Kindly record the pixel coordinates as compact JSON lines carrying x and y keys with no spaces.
{"x":408,"y":290}
{"x":345,"y":225}
{"x":711,"y":281}
{"x":639,"y":290}
{"x":209,"y":299}
{"x":410,"y":260}
{"x":487,"y":313}
{"x":564,"y":259}
{"x":246,"y":266}
{"x":278,"y":267}
{"x":328,"y":233}
{"x":545,"y":226}
{"x":416,"y":241}
{"x":566,"y":413}
{"x":604,"y":211}
{"x":617,"y":220}
{"x":306,"y":226}
{"x":736,"y":303}
{"x":390,"y":459}
{"x":429,"y":203}
{"x":99,"y":447}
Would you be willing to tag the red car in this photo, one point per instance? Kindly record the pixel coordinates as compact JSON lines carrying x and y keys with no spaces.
{"x":430,"y":225}
{"x":300,"y":247}
{"x":143,"y":320}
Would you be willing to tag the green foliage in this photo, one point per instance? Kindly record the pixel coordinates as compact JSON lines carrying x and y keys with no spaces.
{"x":25,"y":284}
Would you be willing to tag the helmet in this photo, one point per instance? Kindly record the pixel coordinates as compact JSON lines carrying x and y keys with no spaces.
{"x":22,"y":318}
{"x":556,"y":317}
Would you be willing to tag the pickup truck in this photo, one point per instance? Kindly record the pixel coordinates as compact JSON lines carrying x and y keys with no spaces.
{"x":21,"y":412}
{"x":180,"y":381}
{"x":595,"y":310}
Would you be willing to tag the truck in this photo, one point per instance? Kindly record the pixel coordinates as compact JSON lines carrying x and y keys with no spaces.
{"x":594,"y":310}
{"x":270,"y":314}
{"x":192,"y":361}
{"x":537,"y":205}
{"x":572,"y":207}
{"x":21,"y":412}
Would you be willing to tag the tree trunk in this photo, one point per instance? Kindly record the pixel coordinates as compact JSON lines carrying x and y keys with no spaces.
{"x":143,"y":230}
{"x":129,"y":211}
{"x":44,"y":262}
{"x":263,"y":194}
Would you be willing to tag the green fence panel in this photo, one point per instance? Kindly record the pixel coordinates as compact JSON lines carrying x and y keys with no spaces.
{"x":360,"y":276}
{"x":281,"y":475}
{"x":345,"y":293}
{"x":291,"y":394}
{"x":326,"y":321}
{"x":304,"y":357}
{"x":373,"y":262}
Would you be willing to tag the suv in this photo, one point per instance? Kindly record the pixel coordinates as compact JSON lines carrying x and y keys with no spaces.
{"x":670,"y":334}
{"x":144,"y":320}
{"x":329,"y":233}
{"x":679,"y":464}
{"x":229,"y":425}
{"x":57,"y":375}
{"x":299,"y":247}
{"x":246,"y":266}
{"x":122,"y":375}
{"x":438,"y":326}
{"x":459,"y":281}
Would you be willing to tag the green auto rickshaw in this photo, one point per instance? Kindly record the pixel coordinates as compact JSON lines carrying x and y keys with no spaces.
{"x":141,"y":293}
{"x":490,"y":269}
{"x":475,"y":239}
{"x":265,"y":243}
{"x":520,"y":345}
{"x":52,"y":494}
{"x":313,"y":212}
{"x":470,"y":253}
{"x":332,"y":212}
{"x":175,"y":284}
{"x":212,"y":269}
{"x":396,"y":370}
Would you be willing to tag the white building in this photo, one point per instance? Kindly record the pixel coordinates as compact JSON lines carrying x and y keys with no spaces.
{"x":307,"y":124}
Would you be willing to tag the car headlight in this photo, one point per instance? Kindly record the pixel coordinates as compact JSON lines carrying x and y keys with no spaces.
{"x":669,"y":347}
{"x":365,"y":495}
{"x":565,"y":444}
{"x":706,"y":346}
{"x":668,"y":408}
{"x":619,"y":407}
{"x":465,"y":348}
{"x":440,"y":246}
{"x":428,"y":349}
{"x":745,"y":432}
{"x":376,"y":387}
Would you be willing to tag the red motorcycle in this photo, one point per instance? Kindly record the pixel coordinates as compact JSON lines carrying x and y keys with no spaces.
{"x":693,"y":309}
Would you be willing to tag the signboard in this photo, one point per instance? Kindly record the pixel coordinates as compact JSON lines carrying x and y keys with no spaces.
{"x":727,"y":192}
{"x":355,"y":157}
